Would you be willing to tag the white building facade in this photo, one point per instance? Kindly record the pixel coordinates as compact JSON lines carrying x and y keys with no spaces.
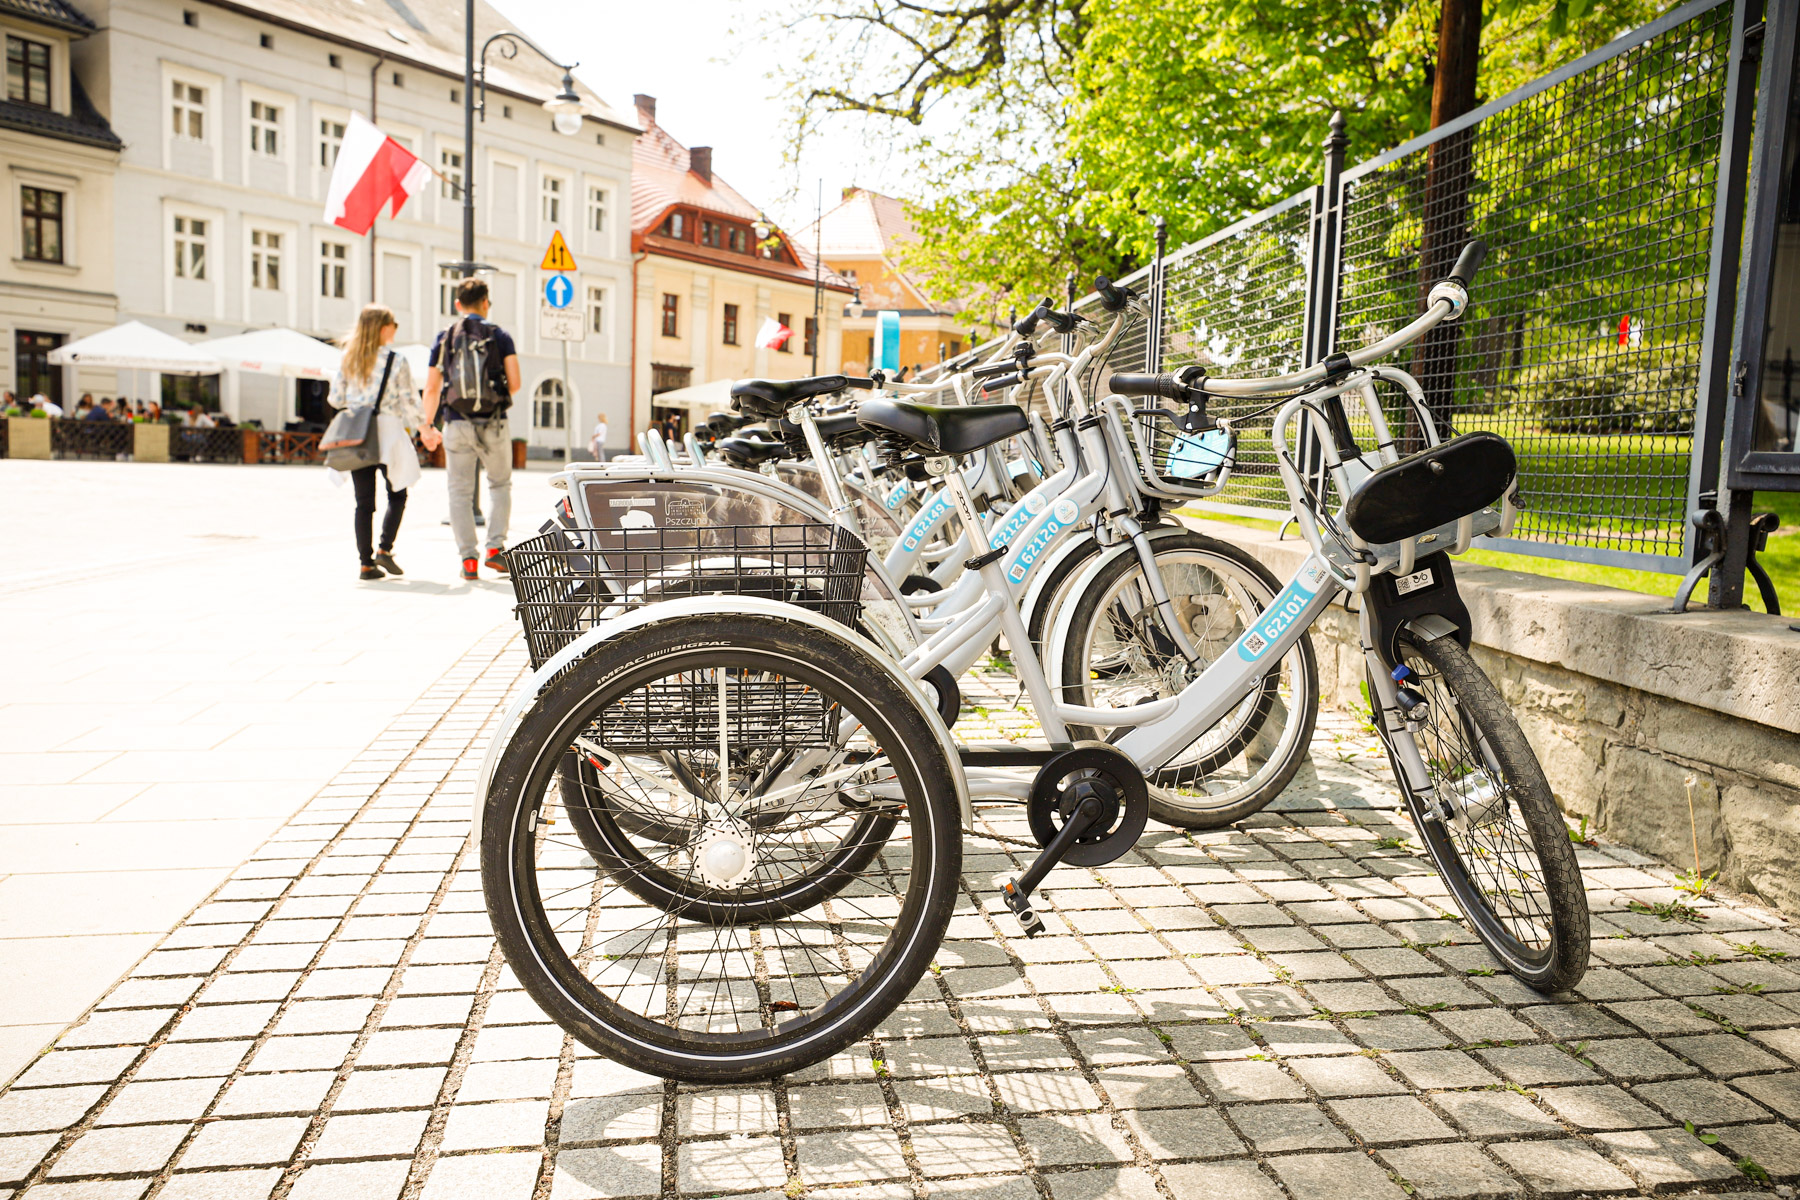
{"x":57,"y":158}
{"x":231,"y":116}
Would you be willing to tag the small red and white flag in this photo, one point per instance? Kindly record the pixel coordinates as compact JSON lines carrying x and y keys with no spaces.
{"x":1631,"y":331}
{"x":372,"y":171}
{"x":773,"y":335}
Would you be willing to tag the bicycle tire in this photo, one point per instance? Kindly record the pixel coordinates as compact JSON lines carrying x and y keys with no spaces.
{"x":1466,"y":709}
{"x":879,"y":960}
{"x":1302,"y":709}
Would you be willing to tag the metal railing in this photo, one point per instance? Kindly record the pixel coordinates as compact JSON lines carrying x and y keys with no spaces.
{"x":72,"y":438}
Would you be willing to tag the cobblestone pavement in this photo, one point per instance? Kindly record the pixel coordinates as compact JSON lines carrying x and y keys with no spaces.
{"x":1278,"y":1009}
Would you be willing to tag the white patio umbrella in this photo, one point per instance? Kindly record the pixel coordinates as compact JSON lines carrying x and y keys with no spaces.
{"x":134,"y":346}
{"x":701,"y":399}
{"x":418,"y":358}
{"x":275,"y":351}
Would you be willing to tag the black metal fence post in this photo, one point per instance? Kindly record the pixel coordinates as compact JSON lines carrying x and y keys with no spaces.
{"x":1327,"y":240}
{"x":1153,"y":346}
{"x":1765,"y":150}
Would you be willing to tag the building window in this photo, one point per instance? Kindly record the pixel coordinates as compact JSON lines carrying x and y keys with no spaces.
{"x":334,"y":269}
{"x":597,"y":209}
{"x":596,"y":310}
{"x":265,"y":129}
{"x":786,"y":320}
{"x":553,"y":197}
{"x":399,"y":80}
{"x":448,"y":278}
{"x":676,"y":226}
{"x":190,"y":248}
{"x":335,"y":60}
{"x":27,"y":72}
{"x":738,"y":240}
{"x":712,"y":234}
{"x":187,"y":111}
{"x":266,"y":40}
{"x":265,"y":260}
{"x":190,"y":18}
{"x":811,"y":345}
{"x":730,"y":325}
{"x":41,"y":211}
{"x":670,"y":311}
{"x":547,"y":411}
{"x":451,"y":161}
{"x":331,"y":140}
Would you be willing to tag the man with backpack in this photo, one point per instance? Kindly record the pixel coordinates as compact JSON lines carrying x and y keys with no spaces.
{"x":474,"y":375}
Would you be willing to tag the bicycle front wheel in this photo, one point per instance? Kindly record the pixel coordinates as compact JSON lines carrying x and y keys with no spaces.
{"x":1492,"y":827}
{"x":814,"y":872}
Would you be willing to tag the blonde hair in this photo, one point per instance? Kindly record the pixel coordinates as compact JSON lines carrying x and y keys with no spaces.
{"x":363,"y":342}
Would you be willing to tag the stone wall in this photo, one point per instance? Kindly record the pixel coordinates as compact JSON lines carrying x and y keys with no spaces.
{"x":1624,"y":704}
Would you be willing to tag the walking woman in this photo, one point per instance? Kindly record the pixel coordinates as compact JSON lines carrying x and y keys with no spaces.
{"x":370,"y":373}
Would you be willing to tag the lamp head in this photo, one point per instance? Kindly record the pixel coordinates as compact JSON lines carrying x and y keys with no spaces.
{"x":565,"y":107}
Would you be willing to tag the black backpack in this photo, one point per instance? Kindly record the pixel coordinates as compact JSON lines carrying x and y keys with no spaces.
{"x":474,"y":374}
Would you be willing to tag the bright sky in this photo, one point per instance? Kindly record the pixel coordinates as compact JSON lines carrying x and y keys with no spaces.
{"x":710,"y":89}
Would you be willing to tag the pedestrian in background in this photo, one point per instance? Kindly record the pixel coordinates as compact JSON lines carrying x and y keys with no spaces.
{"x":473,"y":377}
{"x":597,"y":443}
{"x":371,"y":373}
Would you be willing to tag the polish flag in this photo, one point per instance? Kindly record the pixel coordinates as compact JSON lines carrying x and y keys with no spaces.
{"x":773,"y":335}
{"x":372,"y":170}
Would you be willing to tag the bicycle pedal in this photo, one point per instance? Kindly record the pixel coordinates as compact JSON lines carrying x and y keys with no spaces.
{"x":1020,"y":904}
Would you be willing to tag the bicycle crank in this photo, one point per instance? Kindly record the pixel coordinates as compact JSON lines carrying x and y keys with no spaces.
{"x":1088,"y":806}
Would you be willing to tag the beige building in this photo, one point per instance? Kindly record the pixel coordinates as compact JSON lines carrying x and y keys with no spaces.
{"x":861,"y":240}
{"x":709,"y":273}
{"x":59,"y":156}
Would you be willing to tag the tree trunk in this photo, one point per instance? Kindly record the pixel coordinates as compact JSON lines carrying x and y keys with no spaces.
{"x":1449,"y":172}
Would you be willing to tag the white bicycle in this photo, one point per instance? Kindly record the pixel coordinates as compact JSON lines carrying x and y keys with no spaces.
{"x":775,"y":808}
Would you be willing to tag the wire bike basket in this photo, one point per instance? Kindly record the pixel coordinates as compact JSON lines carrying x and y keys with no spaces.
{"x":1171,"y":462}
{"x":568,"y":580}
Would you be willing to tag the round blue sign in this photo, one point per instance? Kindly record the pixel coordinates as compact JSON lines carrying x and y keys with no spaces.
{"x":558,"y":291}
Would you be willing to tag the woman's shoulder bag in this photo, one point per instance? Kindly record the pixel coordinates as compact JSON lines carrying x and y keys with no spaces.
{"x":353,"y":439}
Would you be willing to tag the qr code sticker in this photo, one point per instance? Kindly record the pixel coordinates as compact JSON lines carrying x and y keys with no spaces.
{"x":1255,"y":645}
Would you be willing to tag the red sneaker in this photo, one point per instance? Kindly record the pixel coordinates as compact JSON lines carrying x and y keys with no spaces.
{"x":469,"y":569}
{"x":496,"y":561}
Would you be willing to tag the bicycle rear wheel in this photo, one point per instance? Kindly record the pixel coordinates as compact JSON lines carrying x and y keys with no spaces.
{"x":814,"y":879}
{"x":1119,"y":654}
{"x":1504,"y":850}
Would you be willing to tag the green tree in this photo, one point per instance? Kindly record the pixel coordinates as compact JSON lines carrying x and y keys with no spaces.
{"x":1049,"y":134}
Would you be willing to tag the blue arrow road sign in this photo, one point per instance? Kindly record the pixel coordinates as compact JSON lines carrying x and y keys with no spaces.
{"x":558,"y":291}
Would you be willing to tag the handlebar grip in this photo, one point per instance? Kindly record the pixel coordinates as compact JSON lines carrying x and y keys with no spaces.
{"x":1062,"y":322}
{"x":858,"y":382}
{"x":989,"y":370}
{"x":1469,"y":262}
{"x":1164,"y":385}
{"x":1027,"y":325}
{"x":1002,"y":383}
{"x":1112,"y":297}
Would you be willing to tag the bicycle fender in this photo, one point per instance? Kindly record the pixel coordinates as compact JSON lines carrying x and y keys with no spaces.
{"x":1431,"y":606}
{"x":693,"y":606}
{"x":1059,"y":633}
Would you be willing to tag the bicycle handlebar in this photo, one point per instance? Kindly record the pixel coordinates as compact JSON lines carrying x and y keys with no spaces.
{"x":1178,"y":385}
{"x":1113,"y":298}
{"x":1446,"y":302}
{"x":1469,"y":262}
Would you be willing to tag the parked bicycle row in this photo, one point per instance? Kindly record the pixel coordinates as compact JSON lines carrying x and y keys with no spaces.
{"x":721,"y":828}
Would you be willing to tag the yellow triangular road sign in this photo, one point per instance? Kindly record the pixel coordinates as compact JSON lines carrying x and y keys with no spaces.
{"x":557,"y":257}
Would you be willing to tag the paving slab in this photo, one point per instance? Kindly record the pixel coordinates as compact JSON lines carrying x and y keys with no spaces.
{"x":1286,"y":1013}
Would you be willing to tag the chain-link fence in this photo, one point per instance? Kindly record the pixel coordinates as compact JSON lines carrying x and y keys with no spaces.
{"x":1595,"y":191}
{"x":1582,"y":345}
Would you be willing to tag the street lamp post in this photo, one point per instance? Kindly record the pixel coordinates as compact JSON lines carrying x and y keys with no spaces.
{"x":564,"y":109}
